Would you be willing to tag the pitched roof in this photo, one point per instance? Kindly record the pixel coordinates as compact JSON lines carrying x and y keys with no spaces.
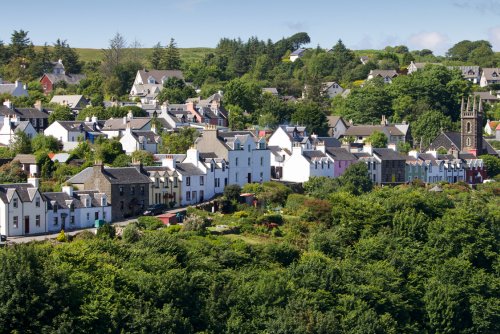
{"x":149,"y":136}
{"x":367,"y":130}
{"x":70,"y":100}
{"x":114,"y":124}
{"x":188,"y":169}
{"x":487,"y":96}
{"x":489,"y":73}
{"x":27,"y":113}
{"x":71,"y":79}
{"x":25,"y":158}
{"x":333,"y":120}
{"x":115,"y":175}
{"x":388,"y":154}
{"x":298,"y":52}
{"x":456,"y":139}
{"x":384,"y":73}
{"x":339,"y":153}
{"x":26,"y":191}
{"x":158,"y":75}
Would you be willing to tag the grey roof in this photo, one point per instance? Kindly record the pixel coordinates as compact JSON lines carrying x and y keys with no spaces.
{"x":71,"y":79}
{"x":208,"y":155}
{"x":22,"y":125}
{"x":26,"y":113}
{"x":158,"y":75}
{"x":25,"y":158}
{"x":328,"y":141}
{"x":22,"y":189}
{"x":62,"y":199}
{"x":339,"y":153}
{"x":61,"y":157}
{"x":487,"y":96}
{"x":311,"y":155}
{"x":298,"y":52}
{"x":333,"y":120}
{"x":367,"y":130}
{"x":82,"y":177}
{"x":149,"y":136}
{"x":271,"y":90}
{"x":388,"y":154}
{"x":456,"y":139}
{"x":467,"y":71}
{"x":489,"y":73}
{"x":115,"y":175}
{"x":114,"y":124}
{"x":188,"y":169}
{"x":70,"y":100}
{"x":75,"y":126}
{"x":384,"y":73}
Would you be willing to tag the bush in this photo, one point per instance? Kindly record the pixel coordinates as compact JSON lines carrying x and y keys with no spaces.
{"x":84,"y":235}
{"x":131,"y":233}
{"x":61,"y":237}
{"x":295,"y":204}
{"x":195,"y":223}
{"x":270,"y":219}
{"x":240,"y":214}
{"x":106,"y":231}
{"x":149,"y":223}
{"x":232,"y":192}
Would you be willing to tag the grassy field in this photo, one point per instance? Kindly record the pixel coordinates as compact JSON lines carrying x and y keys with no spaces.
{"x":188,"y":55}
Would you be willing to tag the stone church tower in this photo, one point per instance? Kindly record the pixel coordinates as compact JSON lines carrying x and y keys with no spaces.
{"x":472,"y":126}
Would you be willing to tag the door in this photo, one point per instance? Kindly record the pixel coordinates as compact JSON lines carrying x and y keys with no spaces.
{"x":249,"y":177}
{"x":26,"y":224}
{"x":202,"y":194}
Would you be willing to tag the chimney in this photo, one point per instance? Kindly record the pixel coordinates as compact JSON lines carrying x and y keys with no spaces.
{"x":38,"y":105}
{"x":393,"y":147}
{"x":68,"y":190}
{"x":413,"y":153}
{"x":124,"y":119}
{"x":8,"y":104}
{"x":34,"y":181}
{"x":98,"y":168}
{"x":94,"y":119}
{"x":137,"y":164}
{"x":18,"y":83}
{"x":130,"y":115}
{"x":346,"y":145}
{"x":169,"y":161}
{"x":367,"y":148}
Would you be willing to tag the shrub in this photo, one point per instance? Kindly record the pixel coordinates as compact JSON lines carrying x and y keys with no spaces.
{"x":61,"y":237}
{"x":295,"y":203}
{"x":232,"y":192}
{"x":131,"y":233}
{"x":106,"y":231}
{"x":240,"y":214}
{"x":195,"y":223}
{"x":270,"y":219}
{"x":149,"y":223}
{"x":84,"y":235}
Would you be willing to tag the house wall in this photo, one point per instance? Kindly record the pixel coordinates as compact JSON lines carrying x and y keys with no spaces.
{"x":296,"y":168}
{"x":46,"y":84}
{"x":7,"y":213}
{"x":340,"y":166}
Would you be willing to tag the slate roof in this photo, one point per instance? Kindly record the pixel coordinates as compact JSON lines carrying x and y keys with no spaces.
{"x":486,"y":96}
{"x":208,"y":155}
{"x":22,"y":125}
{"x":339,"y":153}
{"x":70,"y":100}
{"x":188,"y":169}
{"x":61,"y":198}
{"x":159,"y":74}
{"x":75,"y":126}
{"x":447,"y":139}
{"x":328,"y":141}
{"x":115,"y":175}
{"x":333,"y":120}
{"x":114,"y":124}
{"x":488,"y":73}
{"x":271,"y":90}
{"x":27,"y":113}
{"x":25,"y":191}
{"x":388,"y":154}
{"x":384,"y":73}
{"x":298,"y":52}
{"x":468,"y":72}
{"x":149,"y":136}
{"x":9,"y":88}
{"x":71,"y":79}
{"x":25,"y":158}
{"x":314,"y":155}
{"x":367,"y":130}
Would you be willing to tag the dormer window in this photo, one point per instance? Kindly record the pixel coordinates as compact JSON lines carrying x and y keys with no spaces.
{"x":494,"y":74}
{"x":151,"y":80}
{"x":14,"y":203}
{"x":72,"y":207}
{"x":87,"y":202}
{"x":104,"y":202}
{"x":55,"y":207}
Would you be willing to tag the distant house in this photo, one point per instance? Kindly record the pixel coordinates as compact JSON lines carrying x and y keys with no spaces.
{"x":470,"y":73}
{"x":489,"y":97}
{"x":115,"y":127}
{"x":28,"y":163}
{"x":37,"y":116}
{"x":71,"y":133}
{"x":148,"y":83}
{"x":15,"y":89}
{"x":48,"y":80}
{"x":386,"y":75}
{"x":74,"y":102}
{"x":9,"y":127}
{"x":395,"y":133}
{"x":364,"y":59}
{"x":332,"y":89}
{"x":133,"y":140}
{"x":336,"y":126}
{"x":271,"y":90}
{"x":491,"y":127}
{"x":299,"y":53}
{"x":490,"y":76}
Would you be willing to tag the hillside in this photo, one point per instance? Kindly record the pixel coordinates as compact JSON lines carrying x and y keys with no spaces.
{"x":187,"y":54}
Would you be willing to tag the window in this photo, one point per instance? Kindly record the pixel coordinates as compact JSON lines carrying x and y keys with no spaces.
{"x":166,"y":183}
{"x":132,"y":190}
{"x":202,"y":180}
{"x":248,"y":148}
{"x":223,"y":167}
{"x":374,"y":166}
{"x":236,"y":161}
{"x":249,"y":162}
{"x":369,"y":164}
{"x":175,"y":182}
{"x":315,"y":165}
{"x":104,"y":215}
{"x":14,"y":202}
{"x":212,"y":167}
{"x":262,"y":161}
{"x":37,"y":202}
{"x":142,"y":190}
{"x":72,"y":220}
{"x":37,"y":220}
{"x":55,"y":208}
{"x":104,"y":201}
{"x":15,"y":222}
{"x":121,"y":191}
{"x":188,"y":181}
{"x":87,"y":203}
{"x":122,"y":205}
{"x":56,"y":221}
{"x":157,"y":182}
{"x":72,"y":207}
{"x":468,"y":141}
{"x":469,"y":127}
{"x":194,"y":196}
{"x":217,"y":182}
{"x":236,"y":177}
{"x":88,"y":216}
{"x":188,"y":195}
{"x":96,"y":215}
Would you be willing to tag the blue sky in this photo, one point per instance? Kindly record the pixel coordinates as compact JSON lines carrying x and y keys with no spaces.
{"x":361,"y":24}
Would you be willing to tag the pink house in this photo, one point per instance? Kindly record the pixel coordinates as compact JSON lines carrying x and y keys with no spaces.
{"x":342,"y":159}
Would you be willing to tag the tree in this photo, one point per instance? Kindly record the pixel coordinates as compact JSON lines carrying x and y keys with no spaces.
{"x":114,"y":54}
{"x":377,"y":139}
{"x":69,"y":56}
{"x":171,"y":57}
{"x":12,"y":172}
{"x":243,"y":94}
{"x":20,"y":44}
{"x":46,"y":143}
{"x":492,"y":165}
{"x":232,"y":192}
{"x":236,"y":118}
{"x":178,"y":142}
{"x":61,"y":113}
{"x":356,"y":179}
{"x":21,"y":143}
{"x":107,"y":150}
{"x":310,"y":115}
{"x":175,"y":91}
{"x":429,"y":126}
{"x":156,"y":56}
{"x":463,"y":50}
{"x":145,"y":157}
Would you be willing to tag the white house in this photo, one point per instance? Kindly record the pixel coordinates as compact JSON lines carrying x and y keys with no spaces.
{"x":22,"y":209}
{"x":69,"y":209}
{"x":299,"y":53}
{"x":336,"y":126}
{"x":71,"y":133}
{"x":10,"y":125}
{"x":133,"y":140}
{"x":490,"y":76}
{"x":148,"y":83}
{"x":247,"y":155}
{"x":305,"y":163}
{"x":386,"y":75}
{"x":74,"y":102}
{"x":115,"y":127}
{"x":332,"y":89}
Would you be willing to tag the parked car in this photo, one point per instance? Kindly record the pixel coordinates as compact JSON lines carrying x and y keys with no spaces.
{"x":155,"y":209}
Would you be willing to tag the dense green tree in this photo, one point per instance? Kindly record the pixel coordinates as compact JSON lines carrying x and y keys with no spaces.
{"x":107,"y":150}
{"x":21,"y":143}
{"x":243,"y":94}
{"x":429,"y":126}
{"x":492,"y":165}
{"x":310,"y":115}
{"x":12,"y":172}
{"x":175,"y":91}
{"x":178,"y":142}
{"x":156,"y":56}
{"x":46,"y":143}
{"x":69,"y":56}
{"x":171,"y":59}
{"x":145,"y":157}
{"x":356,"y":179}
{"x":61,"y":113}
{"x":377,"y":139}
